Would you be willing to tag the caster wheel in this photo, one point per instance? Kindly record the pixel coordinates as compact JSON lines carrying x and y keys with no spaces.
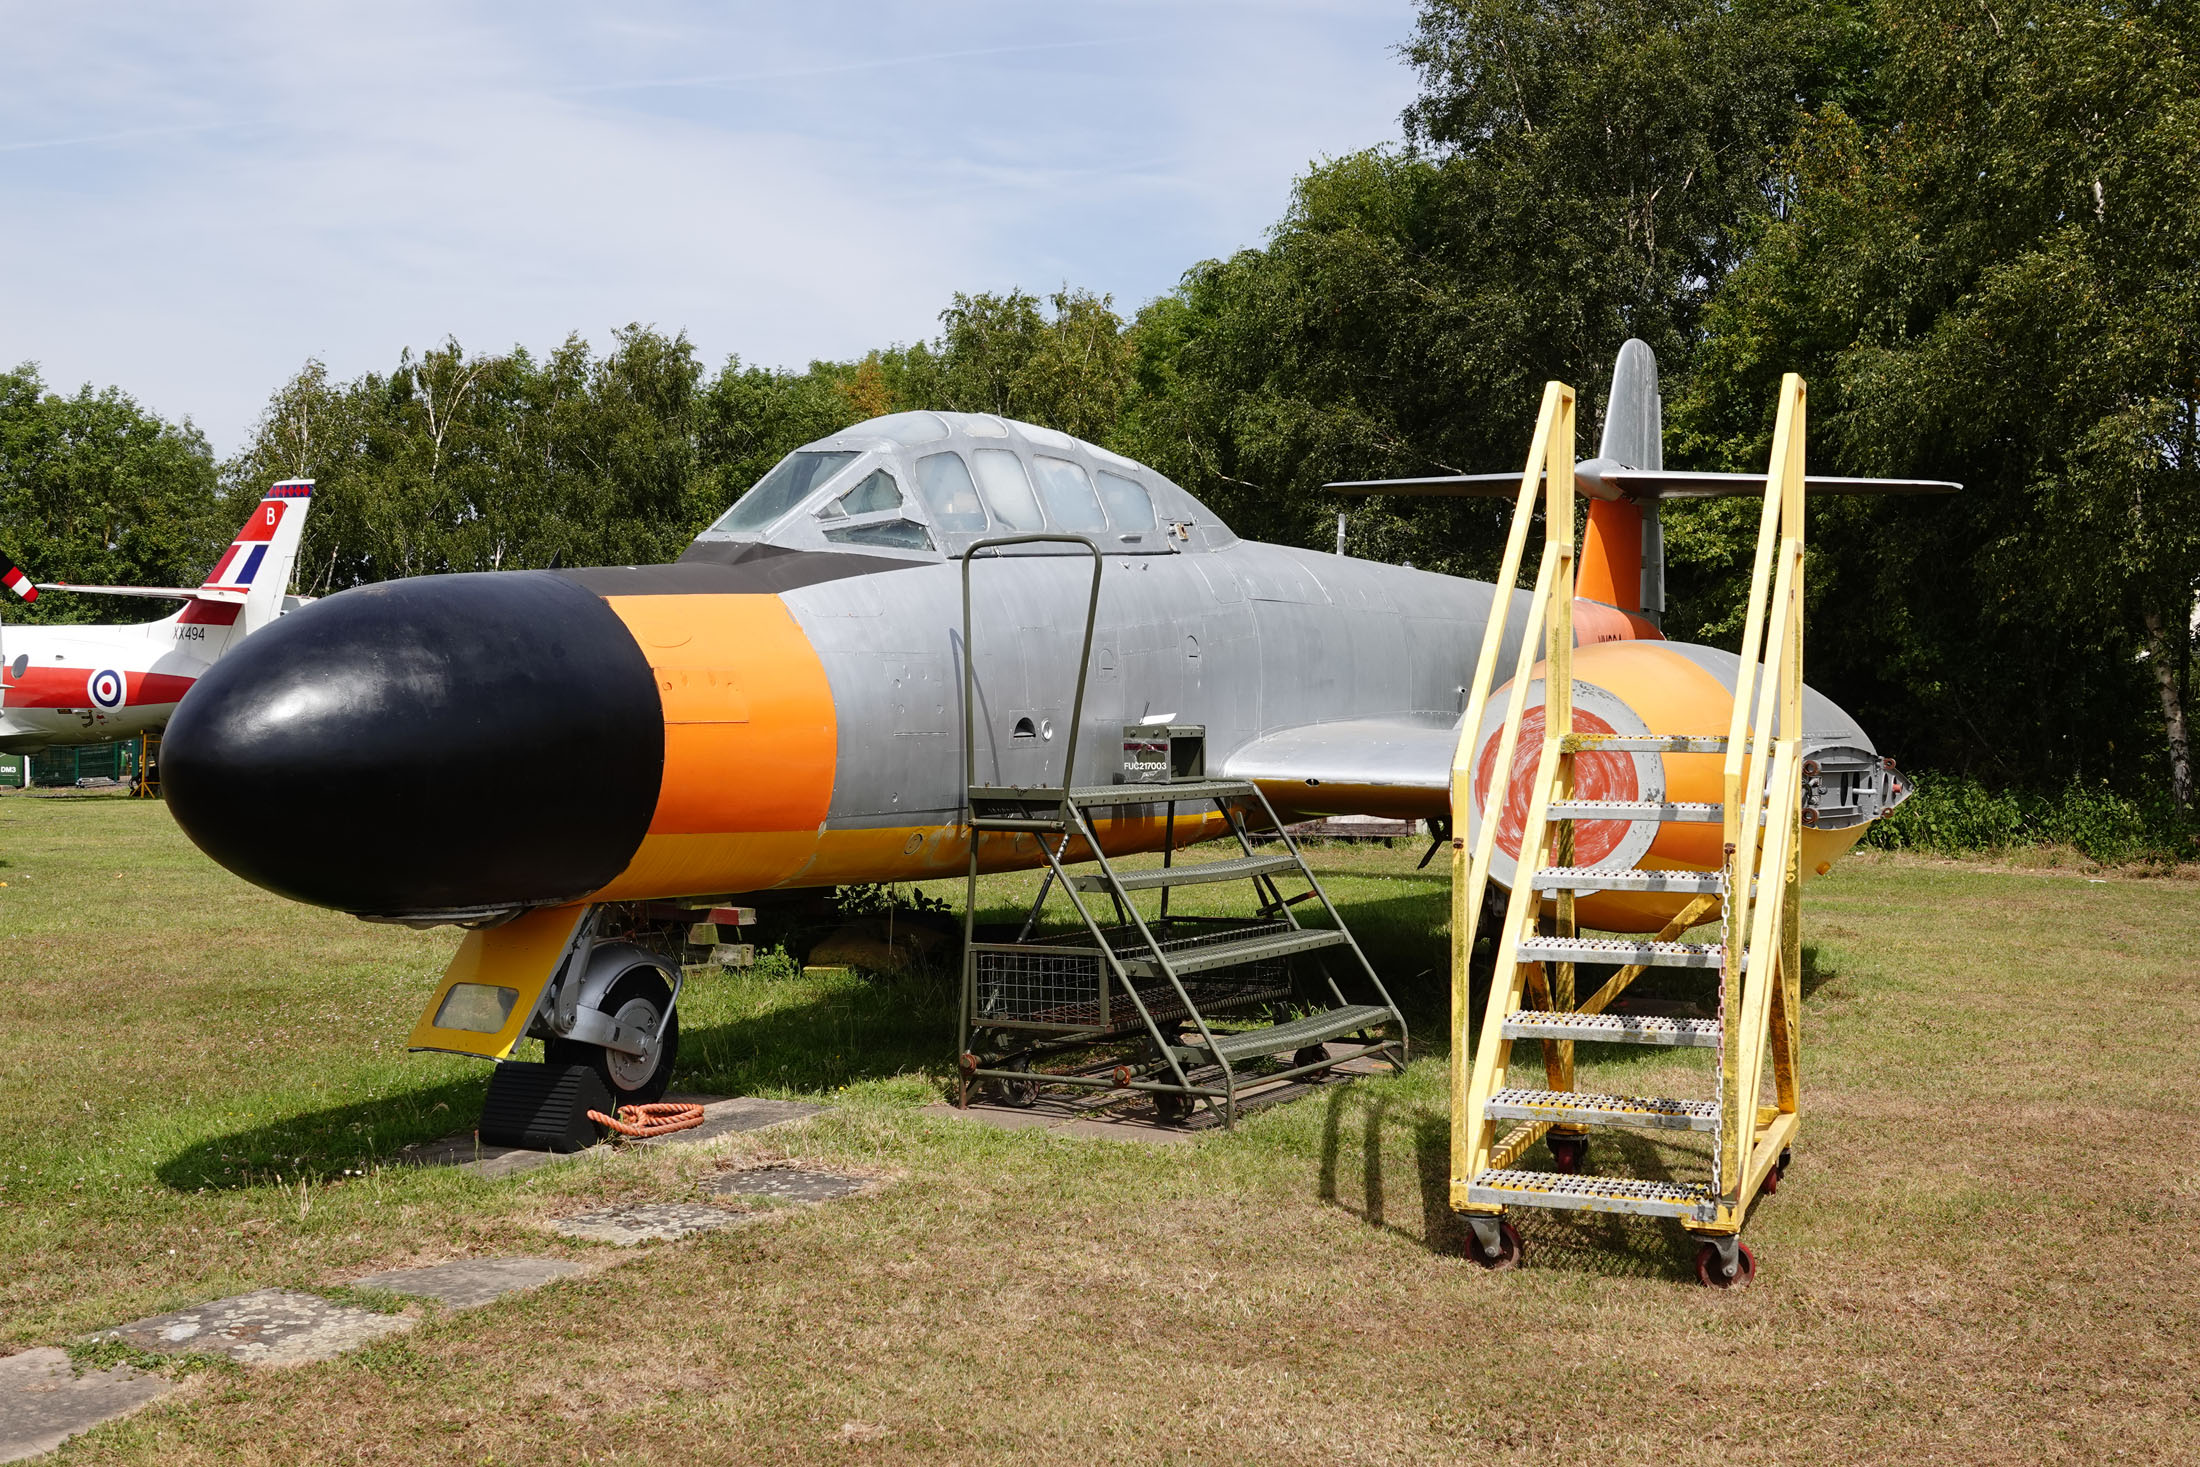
{"x":1568,"y":1153}
{"x":1771,"y":1183}
{"x":1022,"y":1094}
{"x":1312,"y":1054}
{"x":1510,"y":1250}
{"x":1787,"y":1157}
{"x":1711,"y":1276}
{"x":1170,"y":1109}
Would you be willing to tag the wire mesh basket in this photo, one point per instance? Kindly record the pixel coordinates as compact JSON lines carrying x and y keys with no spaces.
{"x":1063,"y":984}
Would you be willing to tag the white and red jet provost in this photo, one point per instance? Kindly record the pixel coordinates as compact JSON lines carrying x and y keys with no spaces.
{"x":93,"y":684}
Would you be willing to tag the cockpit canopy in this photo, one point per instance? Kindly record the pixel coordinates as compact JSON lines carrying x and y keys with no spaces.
{"x":925,"y":485}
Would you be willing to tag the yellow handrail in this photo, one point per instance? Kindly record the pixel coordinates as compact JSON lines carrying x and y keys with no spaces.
{"x":1763,"y":797}
{"x":1550,"y":466}
{"x":1469,"y":879}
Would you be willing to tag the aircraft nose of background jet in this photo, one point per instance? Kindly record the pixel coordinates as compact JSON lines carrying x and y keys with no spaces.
{"x":424,"y":746}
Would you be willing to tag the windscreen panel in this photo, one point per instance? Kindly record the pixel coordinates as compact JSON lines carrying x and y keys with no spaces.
{"x":786,"y":486}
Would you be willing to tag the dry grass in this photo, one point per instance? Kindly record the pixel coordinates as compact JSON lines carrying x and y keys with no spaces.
{"x":1984,"y":1253}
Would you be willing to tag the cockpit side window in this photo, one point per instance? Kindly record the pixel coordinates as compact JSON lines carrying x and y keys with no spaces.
{"x":875,"y":493}
{"x":943,"y":482}
{"x":893,"y":534}
{"x":782,"y":489}
{"x":1007,"y":489}
{"x":1068,"y":495}
{"x":1130,"y":507}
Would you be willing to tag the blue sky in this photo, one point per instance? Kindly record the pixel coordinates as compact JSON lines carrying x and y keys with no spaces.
{"x":197,"y":199}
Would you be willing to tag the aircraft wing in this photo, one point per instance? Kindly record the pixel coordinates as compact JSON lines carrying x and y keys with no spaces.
{"x":156,"y":593}
{"x":153,"y":593}
{"x":1398,"y":767}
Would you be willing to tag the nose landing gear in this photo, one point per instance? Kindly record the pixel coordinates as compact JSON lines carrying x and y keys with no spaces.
{"x":635,"y":1059}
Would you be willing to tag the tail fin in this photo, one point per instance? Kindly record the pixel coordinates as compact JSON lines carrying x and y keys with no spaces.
{"x":255,"y":570}
{"x":1634,"y":414}
{"x":1623,"y":553}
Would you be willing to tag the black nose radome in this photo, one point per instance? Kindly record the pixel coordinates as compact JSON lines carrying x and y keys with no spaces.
{"x":424,"y":748}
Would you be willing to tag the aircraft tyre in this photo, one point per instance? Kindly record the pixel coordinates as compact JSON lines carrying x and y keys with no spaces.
{"x":1171,"y":1109}
{"x":638,"y":998}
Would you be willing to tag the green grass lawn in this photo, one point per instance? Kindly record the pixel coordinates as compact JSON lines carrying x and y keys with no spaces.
{"x":1985,"y":1251}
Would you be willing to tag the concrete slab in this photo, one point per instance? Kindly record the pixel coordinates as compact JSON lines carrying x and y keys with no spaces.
{"x":1087,"y":1115}
{"x":788,"y":1184}
{"x":469,"y":1283}
{"x":44,"y":1402}
{"x":643,"y":1222}
{"x":266,"y":1327}
{"x":722,"y":1116}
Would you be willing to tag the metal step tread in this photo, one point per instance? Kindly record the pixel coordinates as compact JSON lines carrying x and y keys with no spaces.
{"x":1592,"y":1194}
{"x":1643,"y":744}
{"x":1298,"y":1033}
{"x":1623,"y":878}
{"x":1653,"y":1112}
{"x":1676,"y":811}
{"x":1243,"y":950}
{"x":1613,"y":1028}
{"x":1237,"y":869}
{"x":1100,"y":796}
{"x":1040,"y":805}
{"x":1630,"y":950}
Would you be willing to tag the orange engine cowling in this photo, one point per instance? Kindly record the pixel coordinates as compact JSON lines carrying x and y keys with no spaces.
{"x":1672,"y":688}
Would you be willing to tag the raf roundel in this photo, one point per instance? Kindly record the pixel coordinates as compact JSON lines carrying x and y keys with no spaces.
{"x":106,"y":689}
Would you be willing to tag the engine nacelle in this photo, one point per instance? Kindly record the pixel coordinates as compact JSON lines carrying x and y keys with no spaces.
{"x":1672,"y":688}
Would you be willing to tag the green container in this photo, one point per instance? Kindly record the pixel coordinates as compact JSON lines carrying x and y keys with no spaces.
{"x":11,"y":771}
{"x":64,"y":768}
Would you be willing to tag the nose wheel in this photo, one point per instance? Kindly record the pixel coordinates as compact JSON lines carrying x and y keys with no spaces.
{"x":639,"y":1001}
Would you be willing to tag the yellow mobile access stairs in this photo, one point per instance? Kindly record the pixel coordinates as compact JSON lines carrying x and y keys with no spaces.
{"x":1756,"y":962}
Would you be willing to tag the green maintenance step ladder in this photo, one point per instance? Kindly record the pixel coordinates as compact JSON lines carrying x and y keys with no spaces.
{"x":1169,"y":980}
{"x":1147,"y":993}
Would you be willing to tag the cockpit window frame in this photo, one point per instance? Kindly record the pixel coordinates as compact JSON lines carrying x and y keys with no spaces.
{"x":805,"y":525}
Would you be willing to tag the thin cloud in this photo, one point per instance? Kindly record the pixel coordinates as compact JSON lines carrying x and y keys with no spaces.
{"x":805,"y":73}
{"x":207,"y":202}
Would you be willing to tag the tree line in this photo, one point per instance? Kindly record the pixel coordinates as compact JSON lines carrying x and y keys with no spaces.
{"x":1974,"y":228}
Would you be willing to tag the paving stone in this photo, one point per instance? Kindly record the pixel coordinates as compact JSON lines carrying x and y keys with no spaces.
{"x":44,"y":1402}
{"x":722,"y":1116}
{"x":785,"y":1184}
{"x":471,"y":1282}
{"x":641,"y":1222}
{"x":727,"y":1117}
{"x":266,"y":1327}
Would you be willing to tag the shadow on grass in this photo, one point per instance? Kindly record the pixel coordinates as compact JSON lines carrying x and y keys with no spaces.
{"x":1361,"y":1132}
{"x":847,"y":1030}
{"x":856,"y":1028}
{"x":316,"y":1145}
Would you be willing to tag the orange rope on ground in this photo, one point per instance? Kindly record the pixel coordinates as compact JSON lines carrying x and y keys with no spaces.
{"x":660,"y":1119}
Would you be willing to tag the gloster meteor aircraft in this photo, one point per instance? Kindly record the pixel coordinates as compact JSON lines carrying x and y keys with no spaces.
{"x":93,"y":684}
{"x":781,"y":708}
